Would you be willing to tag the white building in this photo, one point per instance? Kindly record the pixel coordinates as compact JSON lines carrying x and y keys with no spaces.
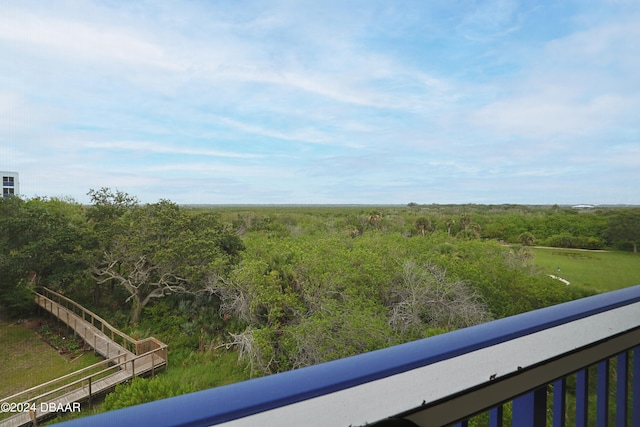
{"x":10,"y":184}
{"x":584,"y":206}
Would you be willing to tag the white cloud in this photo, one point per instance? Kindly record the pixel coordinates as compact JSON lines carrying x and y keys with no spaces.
{"x":551,"y":113}
{"x":576,"y":85}
{"x":305,"y":135}
{"x":20,"y":116}
{"x":237,"y":172}
{"x":325,"y":98}
{"x":489,"y":19}
{"x":78,"y":40}
{"x":151,"y":147}
{"x":325,"y":64}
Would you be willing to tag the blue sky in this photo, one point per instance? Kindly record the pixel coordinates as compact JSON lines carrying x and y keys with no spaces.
{"x":375,"y":102}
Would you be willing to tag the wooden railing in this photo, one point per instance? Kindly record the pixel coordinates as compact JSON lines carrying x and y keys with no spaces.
{"x":137,"y":358}
{"x":135,"y":346}
{"x":151,"y":344}
{"x":517,"y":367}
{"x":88,"y":316}
{"x":67,"y":389}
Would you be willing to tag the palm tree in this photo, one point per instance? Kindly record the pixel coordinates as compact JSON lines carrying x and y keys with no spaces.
{"x":423,"y":224}
{"x":374,"y":218}
{"x":527,"y":238}
{"x":449,"y":223}
{"x":465,"y":222}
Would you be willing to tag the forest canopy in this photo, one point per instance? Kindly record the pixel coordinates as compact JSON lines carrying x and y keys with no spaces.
{"x":290,"y":287}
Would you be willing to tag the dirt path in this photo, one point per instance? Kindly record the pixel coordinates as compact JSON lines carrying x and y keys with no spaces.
{"x":569,"y":249}
{"x":556,"y":248}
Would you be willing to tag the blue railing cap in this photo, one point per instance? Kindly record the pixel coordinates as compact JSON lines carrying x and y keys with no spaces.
{"x":234,"y":401}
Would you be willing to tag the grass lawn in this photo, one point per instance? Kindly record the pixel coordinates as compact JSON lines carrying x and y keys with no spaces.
{"x":26,"y":360}
{"x":603,"y":271}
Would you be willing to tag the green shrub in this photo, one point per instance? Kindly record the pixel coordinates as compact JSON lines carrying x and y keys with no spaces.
{"x":142,"y":390}
{"x":566,"y":240}
{"x":19,"y":300}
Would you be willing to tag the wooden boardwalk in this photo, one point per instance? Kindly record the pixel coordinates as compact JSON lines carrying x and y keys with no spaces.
{"x":125,"y":358}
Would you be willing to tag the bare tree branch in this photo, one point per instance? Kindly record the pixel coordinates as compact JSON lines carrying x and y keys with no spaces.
{"x":424,"y":296}
{"x":143,"y":282}
{"x":247,"y":347}
{"x":234,"y":299}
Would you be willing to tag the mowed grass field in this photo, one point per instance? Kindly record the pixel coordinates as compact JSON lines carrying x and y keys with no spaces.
{"x":26,"y":360}
{"x":602,"y":271}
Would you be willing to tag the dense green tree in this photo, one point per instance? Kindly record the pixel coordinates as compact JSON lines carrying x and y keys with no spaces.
{"x":624,"y":226}
{"x":160,"y":249}
{"x":43,"y":241}
{"x":108,"y":205}
{"x":308,"y":299}
{"x":505,"y":226}
{"x":303,"y":291}
{"x":343,"y":327}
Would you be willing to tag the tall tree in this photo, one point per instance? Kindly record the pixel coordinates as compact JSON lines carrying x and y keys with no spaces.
{"x":107,"y":207}
{"x":160,"y":248}
{"x":449,"y":223}
{"x":107,"y":204}
{"x":43,"y":241}
{"x":624,"y":226}
{"x":423,"y":224}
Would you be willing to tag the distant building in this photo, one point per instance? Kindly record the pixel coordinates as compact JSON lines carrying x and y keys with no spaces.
{"x":583,"y":206}
{"x":10,"y":184}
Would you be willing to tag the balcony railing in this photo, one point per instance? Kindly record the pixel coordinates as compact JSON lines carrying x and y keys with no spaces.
{"x":529,"y":370}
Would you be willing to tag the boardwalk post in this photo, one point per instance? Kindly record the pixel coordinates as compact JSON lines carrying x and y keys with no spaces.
{"x":90,"y":391}
{"x":166,"y":358}
{"x":34,"y":418}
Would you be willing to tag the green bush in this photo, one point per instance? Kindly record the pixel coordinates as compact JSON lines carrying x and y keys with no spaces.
{"x":19,"y":300}
{"x":566,"y":240}
{"x":142,"y":390}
